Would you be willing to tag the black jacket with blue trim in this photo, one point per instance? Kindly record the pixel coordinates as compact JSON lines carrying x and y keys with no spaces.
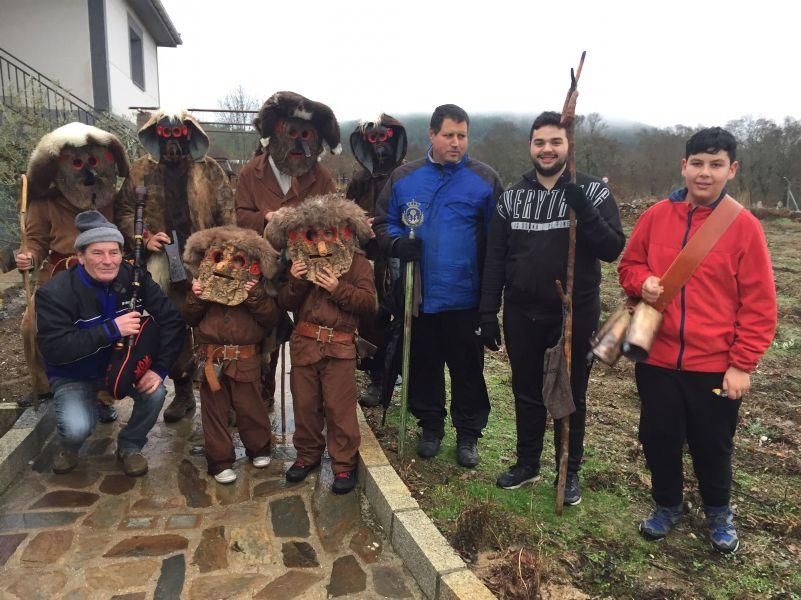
{"x":75,"y":327}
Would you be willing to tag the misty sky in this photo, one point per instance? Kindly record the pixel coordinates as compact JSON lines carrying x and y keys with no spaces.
{"x":660,"y":63}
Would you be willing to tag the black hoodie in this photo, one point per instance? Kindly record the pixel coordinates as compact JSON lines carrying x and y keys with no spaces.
{"x":527,"y":246}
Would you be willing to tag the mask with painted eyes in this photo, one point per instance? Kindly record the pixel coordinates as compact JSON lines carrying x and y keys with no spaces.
{"x":87,"y":176}
{"x":295,"y":146}
{"x":174,"y":138}
{"x":223,"y":273}
{"x":331,"y":248}
{"x":383,"y":144}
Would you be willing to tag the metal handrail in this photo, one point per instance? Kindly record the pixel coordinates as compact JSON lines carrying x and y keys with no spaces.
{"x":24,"y":89}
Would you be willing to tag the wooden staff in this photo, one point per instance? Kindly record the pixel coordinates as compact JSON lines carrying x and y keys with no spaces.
{"x":23,"y":209}
{"x":26,"y":283}
{"x":566,"y":293}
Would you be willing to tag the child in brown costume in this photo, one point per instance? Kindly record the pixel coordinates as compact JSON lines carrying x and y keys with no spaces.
{"x":330,"y":286}
{"x":231,"y":312}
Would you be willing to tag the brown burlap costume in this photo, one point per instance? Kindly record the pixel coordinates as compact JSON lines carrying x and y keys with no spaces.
{"x":229,"y":325}
{"x":259,"y":190}
{"x":323,"y":365}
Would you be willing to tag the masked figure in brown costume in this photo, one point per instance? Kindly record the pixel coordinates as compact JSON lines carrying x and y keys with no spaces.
{"x":330,"y":287}
{"x":72,"y":169}
{"x":379,"y":144}
{"x":294,"y":131}
{"x":231,"y":312}
{"x":187,"y":191}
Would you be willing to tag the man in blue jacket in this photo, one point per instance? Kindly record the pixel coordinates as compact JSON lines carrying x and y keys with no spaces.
{"x":80,"y":314}
{"x":456,"y":196}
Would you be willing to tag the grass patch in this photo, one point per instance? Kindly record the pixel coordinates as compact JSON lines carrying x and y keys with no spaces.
{"x":595,"y":546}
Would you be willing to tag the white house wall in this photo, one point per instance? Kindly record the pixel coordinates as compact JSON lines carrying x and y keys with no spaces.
{"x":124,"y":92}
{"x":53,"y":38}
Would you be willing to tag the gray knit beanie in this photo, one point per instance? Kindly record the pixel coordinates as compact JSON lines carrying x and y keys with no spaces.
{"x":94,"y":227}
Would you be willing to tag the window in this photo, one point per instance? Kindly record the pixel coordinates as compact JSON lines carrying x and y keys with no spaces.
{"x":137,"y":54}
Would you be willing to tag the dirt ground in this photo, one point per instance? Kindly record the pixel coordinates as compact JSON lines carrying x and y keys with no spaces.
{"x":515,"y":543}
{"x":14,"y":381}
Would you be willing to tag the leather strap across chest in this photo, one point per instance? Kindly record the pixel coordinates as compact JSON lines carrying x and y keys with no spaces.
{"x":699,"y":245}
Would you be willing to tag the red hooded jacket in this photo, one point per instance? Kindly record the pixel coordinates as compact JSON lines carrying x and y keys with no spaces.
{"x":725,"y":315}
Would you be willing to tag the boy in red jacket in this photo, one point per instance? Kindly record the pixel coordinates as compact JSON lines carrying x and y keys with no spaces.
{"x":712,"y":335}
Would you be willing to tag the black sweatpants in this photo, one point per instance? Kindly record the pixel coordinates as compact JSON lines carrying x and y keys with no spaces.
{"x":527,"y":338}
{"x":448,"y":338}
{"x":679,"y":406}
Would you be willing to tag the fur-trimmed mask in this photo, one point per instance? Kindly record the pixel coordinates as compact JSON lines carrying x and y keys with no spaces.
{"x":323,"y":232}
{"x":82,"y":162}
{"x":379,"y":144}
{"x":171,"y":137}
{"x":224,"y":259}
{"x":296,"y":131}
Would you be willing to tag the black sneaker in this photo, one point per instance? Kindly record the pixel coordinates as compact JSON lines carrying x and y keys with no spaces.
{"x":344,"y":482}
{"x":518,"y":475}
{"x":428,"y":446}
{"x":572,"y":490}
{"x":371,"y":396}
{"x":298,"y":471}
{"x":467,"y":452}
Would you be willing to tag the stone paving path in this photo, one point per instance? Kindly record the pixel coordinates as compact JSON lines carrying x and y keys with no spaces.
{"x":176,"y":533}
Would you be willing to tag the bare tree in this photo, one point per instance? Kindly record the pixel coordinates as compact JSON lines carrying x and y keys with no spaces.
{"x":234,"y":137}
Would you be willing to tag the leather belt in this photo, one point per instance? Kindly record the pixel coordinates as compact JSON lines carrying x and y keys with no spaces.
{"x":216,"y":352}
{"x":226,"y":352}
{"x":323,"y":334}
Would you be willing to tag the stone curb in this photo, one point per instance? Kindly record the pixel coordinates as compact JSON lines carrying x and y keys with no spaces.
{"x":24,"y":441}
{"x":438,"y":570}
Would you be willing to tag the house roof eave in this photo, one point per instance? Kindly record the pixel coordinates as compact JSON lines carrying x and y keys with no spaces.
{"x":155,"y":19}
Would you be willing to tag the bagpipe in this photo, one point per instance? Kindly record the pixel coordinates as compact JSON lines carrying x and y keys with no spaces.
{"x":133,"y":356}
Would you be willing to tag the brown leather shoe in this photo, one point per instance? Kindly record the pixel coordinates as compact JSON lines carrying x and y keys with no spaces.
{"x":65,"y":461}
{"x":182,"y":404}
{"x":133,"y":463}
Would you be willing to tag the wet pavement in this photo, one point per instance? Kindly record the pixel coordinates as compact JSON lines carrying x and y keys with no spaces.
{"x":176,"y":533}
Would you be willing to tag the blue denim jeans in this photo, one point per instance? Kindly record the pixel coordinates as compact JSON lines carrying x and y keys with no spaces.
{"x":76,"y":414}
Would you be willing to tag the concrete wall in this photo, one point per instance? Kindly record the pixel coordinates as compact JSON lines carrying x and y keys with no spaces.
{"x":53,"y":38}
{"x":124,"y":92}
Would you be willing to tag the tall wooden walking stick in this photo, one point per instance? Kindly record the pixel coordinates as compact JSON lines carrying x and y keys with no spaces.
{"x":412,"y":218}
{"x":566,"y":292}
{"x":23,"y":209}
{"x":26,"y":283}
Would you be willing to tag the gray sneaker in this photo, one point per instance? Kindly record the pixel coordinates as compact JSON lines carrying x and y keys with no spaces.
{"x":572,"y":490}
{"x":134,"y":463}
{"x":65,"y":461}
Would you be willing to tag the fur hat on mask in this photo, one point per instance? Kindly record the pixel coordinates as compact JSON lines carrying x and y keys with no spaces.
{"x":148,"y":133}
{"x":318,"y":212}
{"x":94,"y":227}
{"x":248,"y":241}
{"x":285,"y":105}
{"x":43,"y":164}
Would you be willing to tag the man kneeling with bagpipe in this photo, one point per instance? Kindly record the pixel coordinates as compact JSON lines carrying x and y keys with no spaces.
{"x":91,"y":333}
